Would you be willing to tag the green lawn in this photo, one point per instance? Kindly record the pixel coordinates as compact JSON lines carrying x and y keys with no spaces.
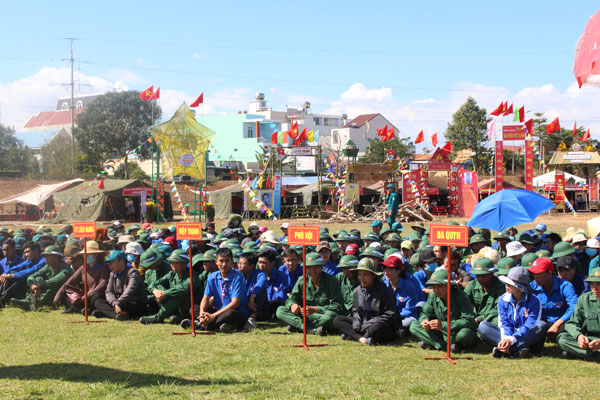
{"x":44,"y":355}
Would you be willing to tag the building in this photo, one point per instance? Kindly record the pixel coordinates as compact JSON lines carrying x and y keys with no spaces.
{"x":61,"y":117}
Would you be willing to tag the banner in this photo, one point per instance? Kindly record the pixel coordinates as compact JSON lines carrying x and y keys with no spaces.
{"x":529,"y":165}
{"x":277,"y":194}
{"x":513,"y":132}
{"x":301,"y":151}
{"x":594,"y":189}
{"x":499,"y":166}
{"x":559,"y":180}
{"x":143,"y":203}
{"x":137,"y":191}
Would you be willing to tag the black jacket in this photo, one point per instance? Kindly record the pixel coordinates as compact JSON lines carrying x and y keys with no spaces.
{"x":376,"y":304}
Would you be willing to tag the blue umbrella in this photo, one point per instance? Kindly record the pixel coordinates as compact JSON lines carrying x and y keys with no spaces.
{"x":509,"y":207}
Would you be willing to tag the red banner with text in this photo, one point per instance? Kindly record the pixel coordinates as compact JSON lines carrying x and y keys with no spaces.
{"x":499,"y":166}
{"x":593,"y":189}
{"x":559,"y":180}
{"x":529,"y":165}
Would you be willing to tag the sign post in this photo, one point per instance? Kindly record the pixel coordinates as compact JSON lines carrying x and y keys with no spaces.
{"x":85,"y":231}
{"x":448,"y":235}
{"x":190,"y":231}
{"x":304,"y":236}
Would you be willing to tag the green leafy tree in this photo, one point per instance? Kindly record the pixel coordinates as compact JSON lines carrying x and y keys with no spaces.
{"x":115,"y":124}
{"x":135,"y":171}
{"x":468,"y":130}
{"x":14,"y":156}
{"x":376,"y":152}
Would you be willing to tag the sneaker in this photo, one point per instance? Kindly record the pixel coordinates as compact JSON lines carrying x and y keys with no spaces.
{"x":251,"y":324}
{"x":456,"y":349}
{"x":22,"y":304}
{"x":321,"y":331}
{"x":566,"y":355}
{"x":401,"y":333}
{"x":227,"y":328}
{"x":370,"y":342}
{"x":151,"y":319}
{"x":291,"y":329}
{"x":121,"y":317}
{"x":186,"y":324}
{"x":98,"y":314}
{"x":175,"y":319}
{"x":33,"y":302}
{"x":497,"y":353}
{"x":524,"y":353}
{"x":424,"y":346}
{"x":83,"y":311}
{"x":344,"y":336}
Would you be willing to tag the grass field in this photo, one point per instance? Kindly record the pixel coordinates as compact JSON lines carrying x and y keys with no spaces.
{"x":44,"y":356}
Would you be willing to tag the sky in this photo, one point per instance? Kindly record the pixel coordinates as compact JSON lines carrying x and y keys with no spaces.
{"x":414,"y":63}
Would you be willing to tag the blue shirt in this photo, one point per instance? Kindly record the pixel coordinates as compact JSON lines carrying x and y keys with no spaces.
{"x":26,"y":268}
{"x":277,"y":287}
{"x":331,"y":268}
{"x":225,"y":290}
{"x":559,"y":303}
{"x":291,"y":279}
{"x":256,"y":284}
{"x":515,"y":319}
{"x":407,"y":297}
{"x":5,"y":265}
{"x":421,"y":276}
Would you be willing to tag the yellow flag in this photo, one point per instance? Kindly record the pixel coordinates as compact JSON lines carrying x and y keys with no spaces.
{"x":311,"y":136}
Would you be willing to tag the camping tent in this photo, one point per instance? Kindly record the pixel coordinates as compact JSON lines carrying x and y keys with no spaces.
{"x":40,"y":193}
{"x":547,"y":179}
{"x":88,"y":203}
{"x":223,"y":200}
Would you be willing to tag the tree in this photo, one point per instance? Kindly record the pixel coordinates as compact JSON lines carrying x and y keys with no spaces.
{"x":115,"y":124}
{"x":14,"y":156}
{"x":54,"y":155}
{"x":135,"y":171}
{"x":376,"y":152}
{"x":469,"y":130}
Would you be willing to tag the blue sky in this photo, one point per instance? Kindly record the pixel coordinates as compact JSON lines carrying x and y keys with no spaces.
{"x":414,"y":63}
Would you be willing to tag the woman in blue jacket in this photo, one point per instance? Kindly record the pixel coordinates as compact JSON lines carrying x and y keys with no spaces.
{"x":520,"y":330}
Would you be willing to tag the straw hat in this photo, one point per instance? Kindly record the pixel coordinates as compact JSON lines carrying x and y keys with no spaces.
{"x":92,"y":248}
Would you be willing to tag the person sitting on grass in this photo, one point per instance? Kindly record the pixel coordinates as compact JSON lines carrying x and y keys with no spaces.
{"x":13,"y":282}
{"x":291,"y":268}
{"x":374,"y":314}
{"x":582,"y":332}
{"x":557,"y":296}
{"x":170,"y":296}
{"x":255,"y":282}
{"x":125,"y":295}
{"x":520,"y":330}
{"x":407,"y":295}
{"x":224,"y":306}
{"x":277,"y":288}
{"x":324,"y":300}
{"x":484,"y":292}
{"x":44,"y":283}
{"x":153,"y":266}
{"x":11,"y":258}
{"x":348,"y":279}
{"x":431,"y":328}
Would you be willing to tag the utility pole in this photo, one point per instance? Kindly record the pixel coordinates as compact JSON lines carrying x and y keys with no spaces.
{"x":72,"y":112}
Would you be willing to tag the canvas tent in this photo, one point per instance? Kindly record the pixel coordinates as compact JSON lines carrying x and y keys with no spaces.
{"x":227,"y":200}
{"x":40,"y":193}
{"x":93,"y":204}
{"x":548,"y":179}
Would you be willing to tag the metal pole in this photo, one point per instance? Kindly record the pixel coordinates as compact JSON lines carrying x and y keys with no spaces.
{"x":448,"y":319}
{"x":85,"y":293}
{"x":72,"y":114}
{"x":304,"y":296}
{"x":191,"y":288}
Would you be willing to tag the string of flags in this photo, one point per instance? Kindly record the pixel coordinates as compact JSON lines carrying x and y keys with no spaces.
{"x":570,"y":207}
{"x":174,"y":191}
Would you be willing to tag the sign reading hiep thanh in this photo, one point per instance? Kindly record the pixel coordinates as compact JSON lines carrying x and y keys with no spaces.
{"x":84,"y":230}
{"x":303,"y":235}
{"x":189,"y":231}
{"x":449,"y":235}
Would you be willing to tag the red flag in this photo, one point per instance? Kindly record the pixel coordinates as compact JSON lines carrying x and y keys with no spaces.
{"x":498,"y":110}
{"x":389,"y":135}
{"x":101,"y":183}
{"x":529,"y":127}
{"x":447,"y":148}
{"x":198,"y":101}
{"x":504,"y":107}
{"x":420,"y":138}
{"x":301,"y":137}
{"x":553,"y":126}
{"x":281,"y":151}
{"x":274,"y":137}
{"x":331,"y":157}
{"x":575,"y":129}
{"x":434,"y":141}
{"x":147,"y":94}
{"x":382,"y":132}
{"x":585,"y":136}
{"x":156,"y":95}
{"x":522,"y":114}
{"x":293,"y":132}
{"x":509,"y":110}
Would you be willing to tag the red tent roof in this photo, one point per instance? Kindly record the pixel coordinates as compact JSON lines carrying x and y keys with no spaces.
{"x":52,"y":118}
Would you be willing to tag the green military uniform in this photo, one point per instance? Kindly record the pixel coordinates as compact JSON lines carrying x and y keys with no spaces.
{"x":327,"y":297}
{"x":148,"y":259}
{"x":347,"y":288}
{"x":584,"y":321}
{"x":485,"y":303}
{"x":462,"y":326}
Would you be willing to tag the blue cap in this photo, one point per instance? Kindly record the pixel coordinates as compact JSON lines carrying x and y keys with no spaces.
{"x":541,"y":227}
{"x":391,"y":185}
{"x":116,"y":255}
{"x":376,"y":223}
{"x":397,"y":226}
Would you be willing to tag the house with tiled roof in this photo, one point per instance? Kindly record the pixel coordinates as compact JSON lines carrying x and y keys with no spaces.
{"x":61,"y":117}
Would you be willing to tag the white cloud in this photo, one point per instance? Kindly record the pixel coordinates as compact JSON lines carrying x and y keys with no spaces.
{"x":25,"y":97}
{"x":198,"y":56}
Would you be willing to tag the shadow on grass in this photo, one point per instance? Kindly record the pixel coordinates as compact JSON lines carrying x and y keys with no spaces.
{"x":87,"y":373}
